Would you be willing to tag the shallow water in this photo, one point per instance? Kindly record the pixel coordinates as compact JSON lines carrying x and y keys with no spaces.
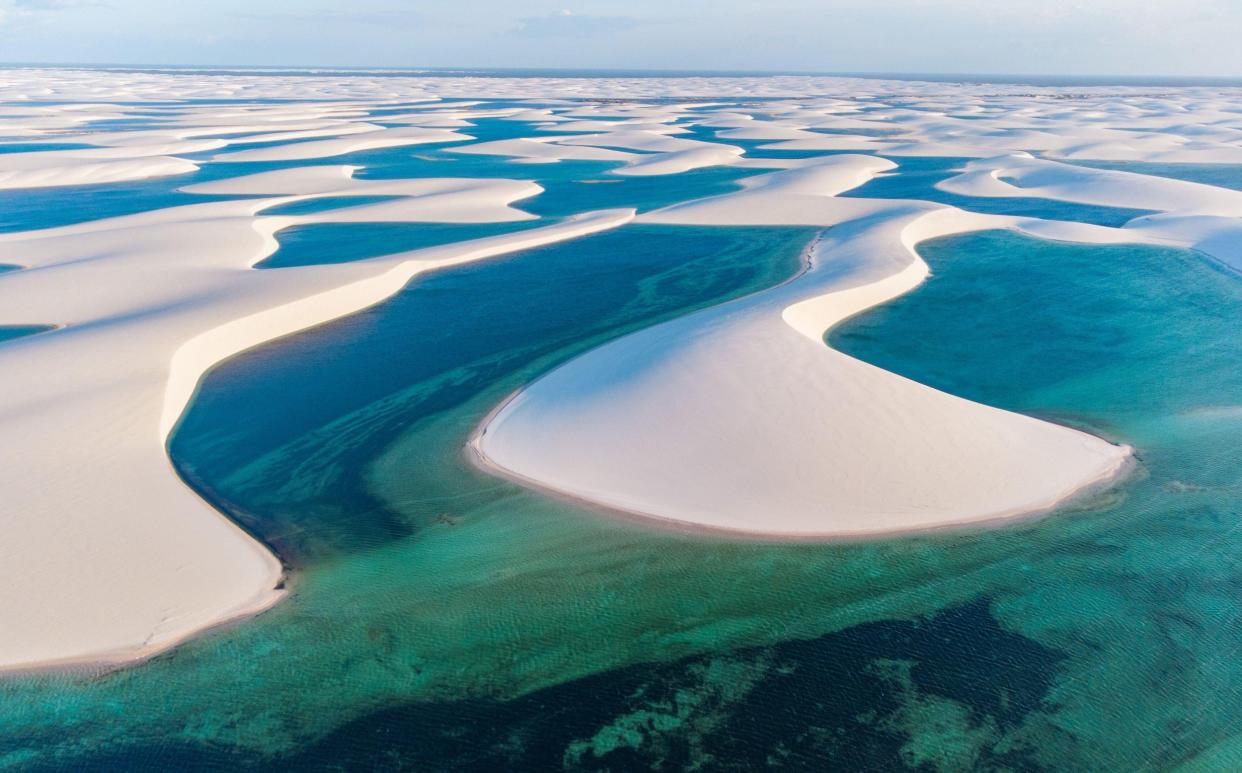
{"x":445,"y":620}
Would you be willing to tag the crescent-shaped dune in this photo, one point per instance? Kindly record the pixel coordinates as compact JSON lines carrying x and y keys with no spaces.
{"x":740,"y":418}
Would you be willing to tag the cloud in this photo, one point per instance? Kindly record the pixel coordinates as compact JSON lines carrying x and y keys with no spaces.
{"x":17,"y":9}
{"x":323,"y":16}
{"x":54,"y":5}
{"x":566,"y":23}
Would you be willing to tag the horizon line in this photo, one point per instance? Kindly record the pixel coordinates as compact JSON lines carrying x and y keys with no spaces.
{"x":614,"y":71}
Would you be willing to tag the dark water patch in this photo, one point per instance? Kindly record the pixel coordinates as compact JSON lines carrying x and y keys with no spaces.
{"x":835,"y":702}
{"x":838,"y":702}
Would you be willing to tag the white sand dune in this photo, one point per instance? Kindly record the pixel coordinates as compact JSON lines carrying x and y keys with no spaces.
{"x":739,"y":417}
{"x":802,"y":195}
{"x":657,"y":153}
{"x":436,"y":199}
{"x":678,"y":161}
{"x":1023,"y":175}
{"x":542,"y":150}
{"x":1202,"y":217}
{"x":107,"y":556}
{"x":88,"y":172}
{"x":339,"y":146}
{"x":768,"y":130}
{"x":1156,"y":134}
{"x":637,"y":139}
{"x":130,"y":155}
{"x":568,"y":124}
{"x":54,"y":168}
{"x":332,"y":130}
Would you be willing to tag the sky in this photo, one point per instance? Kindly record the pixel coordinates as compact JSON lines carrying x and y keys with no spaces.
{"x":1049,"y":37}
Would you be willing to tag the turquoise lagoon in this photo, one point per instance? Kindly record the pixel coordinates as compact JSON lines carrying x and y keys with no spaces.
{"x":442,"y":619}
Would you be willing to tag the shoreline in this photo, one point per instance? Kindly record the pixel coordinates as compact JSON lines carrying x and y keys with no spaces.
{"x":1123,"y":470}
{"x":104,"y":664}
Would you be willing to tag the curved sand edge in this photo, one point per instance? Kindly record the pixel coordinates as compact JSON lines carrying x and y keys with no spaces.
{"x":567,"y":436}
{"x":1126,"y":464}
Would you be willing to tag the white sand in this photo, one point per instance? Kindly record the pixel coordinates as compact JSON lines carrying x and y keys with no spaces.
{"x":739,"y":417}
{"x":339,"y":146}
{"x":542,"y":150}
{"x":659,"y":154}
{"x":83,"y":167}
{"x":142,"y":154}
{"x":1023,"y":175}
{"x":107,"y":555}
